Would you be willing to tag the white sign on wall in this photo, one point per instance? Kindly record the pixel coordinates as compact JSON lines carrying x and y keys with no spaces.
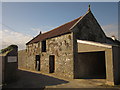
{"x":12,"y":59}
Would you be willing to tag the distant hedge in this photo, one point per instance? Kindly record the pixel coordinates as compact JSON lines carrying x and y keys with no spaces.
{"x":11,"y":47}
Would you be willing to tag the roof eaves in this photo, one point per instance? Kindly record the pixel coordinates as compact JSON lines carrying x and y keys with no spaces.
{"x":32,"y":39}
{"x":51,"y":31}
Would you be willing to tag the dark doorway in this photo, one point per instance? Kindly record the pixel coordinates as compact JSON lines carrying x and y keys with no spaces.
{"x":51,"y":63}
{"x":91,"y":65}
{"x":37,"y":66}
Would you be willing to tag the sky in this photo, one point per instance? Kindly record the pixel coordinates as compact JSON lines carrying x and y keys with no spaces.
{"x":21,"y":21}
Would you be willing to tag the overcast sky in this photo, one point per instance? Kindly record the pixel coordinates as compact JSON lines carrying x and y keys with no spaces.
{"x":24,"y":20}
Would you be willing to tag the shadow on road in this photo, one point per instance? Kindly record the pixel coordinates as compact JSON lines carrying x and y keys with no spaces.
{"x":33,"y":80}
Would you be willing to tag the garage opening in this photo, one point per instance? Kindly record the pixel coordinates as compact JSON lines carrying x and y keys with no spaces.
{"x":51,"y":63}
{"x":91,"y":65}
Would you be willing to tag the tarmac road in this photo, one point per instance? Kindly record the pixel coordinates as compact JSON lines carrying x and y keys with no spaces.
{"x":34,"y":79}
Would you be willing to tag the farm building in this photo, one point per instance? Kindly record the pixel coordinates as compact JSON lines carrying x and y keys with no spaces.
{"x":78,"y":49}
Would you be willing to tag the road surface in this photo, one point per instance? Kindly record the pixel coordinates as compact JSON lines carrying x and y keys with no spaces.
{"x":34,"y":79}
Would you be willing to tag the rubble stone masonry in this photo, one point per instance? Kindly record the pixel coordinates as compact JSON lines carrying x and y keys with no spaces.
{"x":61,"y":47}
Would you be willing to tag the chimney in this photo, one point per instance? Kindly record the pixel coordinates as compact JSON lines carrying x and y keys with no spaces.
{"x":40,"y":32}
{"x":113,"y":37}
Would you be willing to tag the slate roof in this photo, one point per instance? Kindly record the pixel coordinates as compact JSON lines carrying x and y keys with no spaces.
{"x":63,"y":29}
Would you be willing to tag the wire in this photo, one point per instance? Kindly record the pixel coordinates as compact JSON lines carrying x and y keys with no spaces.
{"x":8,"y":27}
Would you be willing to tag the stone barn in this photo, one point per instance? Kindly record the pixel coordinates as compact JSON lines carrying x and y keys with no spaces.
{"x":78,"y":49}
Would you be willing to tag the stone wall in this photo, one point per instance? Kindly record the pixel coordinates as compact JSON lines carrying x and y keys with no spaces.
{"x":31,"y":51}
{"x":61,"y":47}
{"x":89,"y":29}
{"x":9,"y":61}
{"x":22,"y":59}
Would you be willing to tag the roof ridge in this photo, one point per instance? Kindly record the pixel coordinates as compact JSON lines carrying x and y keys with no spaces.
{"x":62,"y":29}
{"x":62,"y":25}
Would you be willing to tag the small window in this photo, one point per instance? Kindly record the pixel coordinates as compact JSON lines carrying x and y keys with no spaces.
{"x":43,"y":46}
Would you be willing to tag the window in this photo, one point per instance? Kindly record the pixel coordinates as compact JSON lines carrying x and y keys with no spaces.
{"x":43,"y":46}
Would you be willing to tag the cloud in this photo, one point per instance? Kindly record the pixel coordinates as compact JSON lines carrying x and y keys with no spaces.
{"x":11,"y":37}
{"x":111,"y":29}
